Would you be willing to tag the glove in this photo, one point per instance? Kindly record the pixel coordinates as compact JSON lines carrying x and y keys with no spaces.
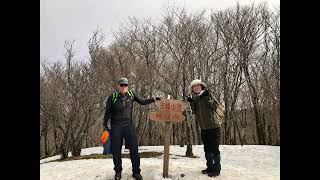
{"x":189,"y":98}
{"x":105,"y":128}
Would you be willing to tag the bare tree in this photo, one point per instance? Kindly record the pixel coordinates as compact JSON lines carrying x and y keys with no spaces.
{"x":235,"y":51}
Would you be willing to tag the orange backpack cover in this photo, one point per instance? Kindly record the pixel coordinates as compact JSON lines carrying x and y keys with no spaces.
{"x":104,"y":136}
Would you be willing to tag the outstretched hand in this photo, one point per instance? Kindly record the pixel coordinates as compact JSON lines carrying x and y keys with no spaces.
{"x":106,"y":128}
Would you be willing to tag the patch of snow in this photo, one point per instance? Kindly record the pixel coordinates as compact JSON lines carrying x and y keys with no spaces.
{"x":249,"y":162}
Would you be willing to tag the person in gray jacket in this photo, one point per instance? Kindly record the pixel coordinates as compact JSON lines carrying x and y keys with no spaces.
{"x":204,"y":107}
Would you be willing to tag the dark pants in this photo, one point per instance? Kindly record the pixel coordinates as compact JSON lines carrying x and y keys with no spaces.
{"x":211,"y":141}
{"x":129,"y":134}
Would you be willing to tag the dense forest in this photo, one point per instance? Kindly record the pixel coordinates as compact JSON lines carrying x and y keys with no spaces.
{"x":235,"y":51}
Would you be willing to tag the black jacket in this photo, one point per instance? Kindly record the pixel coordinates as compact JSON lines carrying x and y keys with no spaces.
{"x":120,"y":111}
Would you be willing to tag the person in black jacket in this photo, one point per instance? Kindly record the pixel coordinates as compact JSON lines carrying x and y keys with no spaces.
{"x":119,"y":111}
{"x":204,"y":107}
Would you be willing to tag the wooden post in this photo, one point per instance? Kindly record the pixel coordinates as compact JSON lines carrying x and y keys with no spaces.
{"x":167,"y":133}
{"x":169,"y":111}
{"x":166,"y":151}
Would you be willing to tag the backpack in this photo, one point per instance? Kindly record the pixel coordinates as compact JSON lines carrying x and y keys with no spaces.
{"x":219,"y":109}
{"x":115,"y":95}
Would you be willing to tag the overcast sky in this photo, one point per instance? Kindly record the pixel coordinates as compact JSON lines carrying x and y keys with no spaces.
{"x":62,"y":20}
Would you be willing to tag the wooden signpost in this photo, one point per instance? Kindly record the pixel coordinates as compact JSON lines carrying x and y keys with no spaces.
{"x":169,"y":111}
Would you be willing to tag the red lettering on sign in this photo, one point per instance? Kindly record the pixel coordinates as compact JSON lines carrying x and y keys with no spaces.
{"x":178,"y":107}
{"x":175,"y":116}
{"x":167,"y":106}
{"x":158,"y":115}
{"x":162,"y":105}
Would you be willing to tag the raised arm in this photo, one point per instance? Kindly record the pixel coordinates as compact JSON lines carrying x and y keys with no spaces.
{"x":143,"y":101}
{"x":107,"y":113}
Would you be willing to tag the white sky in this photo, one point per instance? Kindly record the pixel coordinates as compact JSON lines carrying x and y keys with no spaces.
{"x":62,"y":20}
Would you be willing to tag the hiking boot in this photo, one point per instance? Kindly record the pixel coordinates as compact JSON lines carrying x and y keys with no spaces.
{"x":117,"y":176}
{"x":205,"y":171}
{"x":214,"y":173}
{"x":137,"y":176}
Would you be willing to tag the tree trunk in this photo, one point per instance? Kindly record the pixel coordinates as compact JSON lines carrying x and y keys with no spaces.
{"x":240,"y":138}
{"x":189,"y":152}
{"x":46,"y":146}
{"x":254,"y":99}
{"x":63,"y":153}
{"x":76,"y":151}
{"x":183,"y":134}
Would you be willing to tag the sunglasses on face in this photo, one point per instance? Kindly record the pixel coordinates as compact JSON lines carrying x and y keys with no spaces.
{"x":123,"y":85}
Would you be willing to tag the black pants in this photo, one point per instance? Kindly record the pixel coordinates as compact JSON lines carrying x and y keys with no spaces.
{"x":129,"y":134}
{"x":211,"y":141}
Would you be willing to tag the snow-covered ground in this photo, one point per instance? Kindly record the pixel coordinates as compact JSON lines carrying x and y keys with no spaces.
{"x":238,"y":163}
